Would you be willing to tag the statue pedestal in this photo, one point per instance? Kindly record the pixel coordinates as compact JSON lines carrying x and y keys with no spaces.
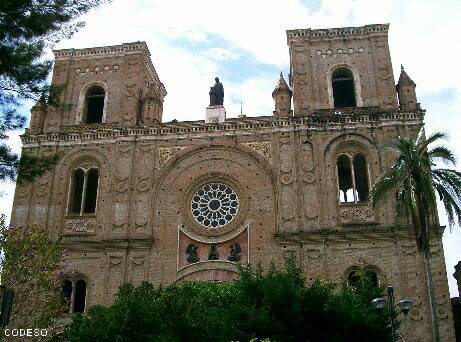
{"x":215,"y":114}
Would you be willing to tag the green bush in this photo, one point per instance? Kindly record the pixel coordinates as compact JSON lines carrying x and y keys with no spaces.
{"x":273,"y":305}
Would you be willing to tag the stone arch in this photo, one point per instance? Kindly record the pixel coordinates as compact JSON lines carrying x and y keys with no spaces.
{"x":78,"y":291}
{"x":357,"y":85}
{"x":364,"y":268}
{"x":82,"y":101}
{"x":84,"y":159}
{"x":191,"y":168}
{"x":189,"y":151}
{"x":334,"y":146}
{"x":210,"y":271}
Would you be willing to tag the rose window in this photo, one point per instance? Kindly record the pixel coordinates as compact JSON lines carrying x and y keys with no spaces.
{"x":214,"y":205}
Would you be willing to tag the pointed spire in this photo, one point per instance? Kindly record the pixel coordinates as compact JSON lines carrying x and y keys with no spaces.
{"x":404,"y":79}
{"x":281,"y":85}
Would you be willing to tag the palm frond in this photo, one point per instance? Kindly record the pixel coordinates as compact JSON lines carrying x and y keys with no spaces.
{"x":423,"y":143}
{"x":391,"y":180}
{"x":442,"y":153}
{"x":415,"y":183}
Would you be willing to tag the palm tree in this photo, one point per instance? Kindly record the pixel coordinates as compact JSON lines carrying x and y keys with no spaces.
{"x":415,"y":181}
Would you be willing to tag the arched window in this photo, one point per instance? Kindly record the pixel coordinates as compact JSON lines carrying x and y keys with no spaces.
{"x":74,"y":292}
{"x":83,"y":191}
{"x":352,"y":178}
{"x":91,"y":191}
{"x":343,"y":88}
{"x":80,"y":296}
{"x":94,"y":104}
{"x":355,"y":277}
{"x":66,"y":291}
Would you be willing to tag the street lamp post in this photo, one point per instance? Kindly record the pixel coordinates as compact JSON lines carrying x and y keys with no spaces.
{"x":404,"y":305}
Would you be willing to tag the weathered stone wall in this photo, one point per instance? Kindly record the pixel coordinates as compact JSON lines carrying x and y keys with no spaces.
{"x":286,"y":180}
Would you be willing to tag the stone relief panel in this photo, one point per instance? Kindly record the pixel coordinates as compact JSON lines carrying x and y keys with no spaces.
{"x":21,"y":207}
{"x":122,"y":157}
{"x":91,"y":70}
{"x":80,"y":225}
{"x":262,"y":147}
{"x":166,"y":153}
{"x":131,"y":91}
{"x":143,"y":183}
{"x":442,"y":296}
{"x":313,"y":261}
{"x":385,"y":79}
{"x":309,"y":184}
{"x":116,"y":276}
{"x":301,"y":96}
{"x":341,"y":52}
{"x":287,"y":192}
{"x":41,"y":192}
{"x":356,"y":214}
{"x":138,"y":268}
{"x":410,"y":282}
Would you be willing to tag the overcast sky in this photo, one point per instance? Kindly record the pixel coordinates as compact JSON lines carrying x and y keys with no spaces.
{"x":244,"y":43}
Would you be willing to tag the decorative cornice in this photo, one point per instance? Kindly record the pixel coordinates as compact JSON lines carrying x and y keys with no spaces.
{"x":103,"y":51}
{"x":327,"y":34}
{"x":320,"y":119}
{"x":114,"y":50}
{"x":371,"y":232}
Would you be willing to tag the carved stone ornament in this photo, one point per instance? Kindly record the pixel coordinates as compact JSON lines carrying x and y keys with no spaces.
{"x":333,"y":53}
{"x":191,"y":252}
{"x":356,"y":215}
{"x":166,"y":153}
{"x":213,"y":253}
{"x":262,"y":147}
{"x":80,"y":225}
{"x":89,"y":71}
{"x":234,"y":252}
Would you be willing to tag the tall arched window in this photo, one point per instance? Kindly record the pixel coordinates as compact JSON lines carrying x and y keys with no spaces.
{"x":343,"y":87}
{"x":352,"y":178}
{"x":74,"y":292}
{"x":66,"y":291}
{"x":83,"y":191}
{"x":356,"y":276}
{"x":94,"y":104}
{"x":80,"y":296}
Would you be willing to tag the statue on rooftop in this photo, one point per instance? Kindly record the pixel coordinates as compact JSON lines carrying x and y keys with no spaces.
{"x":217,"y":93}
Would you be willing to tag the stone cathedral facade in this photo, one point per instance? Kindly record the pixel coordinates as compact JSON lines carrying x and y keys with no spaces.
{"x":136,"y":198}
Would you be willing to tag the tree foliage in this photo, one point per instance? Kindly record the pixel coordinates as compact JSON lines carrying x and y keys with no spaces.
{"x":415,"y":181}
{"x":27,"y":29}
{"x":273,"y":305}
{"x":30,"y":266}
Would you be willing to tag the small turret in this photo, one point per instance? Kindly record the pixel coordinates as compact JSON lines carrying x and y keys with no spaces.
{"x":406,"y":91}
{"x":152,"y":109}
{"x":282,"y":98}
{"x":37,"y":117}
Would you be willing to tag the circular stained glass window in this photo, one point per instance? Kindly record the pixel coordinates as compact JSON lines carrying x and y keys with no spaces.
{"x":214,"y":205}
